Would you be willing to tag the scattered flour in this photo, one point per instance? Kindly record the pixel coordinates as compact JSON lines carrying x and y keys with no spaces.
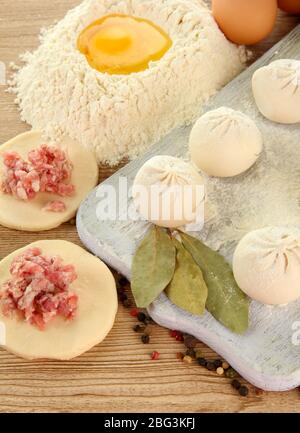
{"x":121,"y":116}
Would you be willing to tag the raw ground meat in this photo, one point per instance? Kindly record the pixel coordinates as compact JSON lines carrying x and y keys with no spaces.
{"x":47,"y":170}
{"x":39,"y":289}
{"x":55,"y":206}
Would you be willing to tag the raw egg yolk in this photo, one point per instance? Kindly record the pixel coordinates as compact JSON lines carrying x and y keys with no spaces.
{"x":121,"y":44}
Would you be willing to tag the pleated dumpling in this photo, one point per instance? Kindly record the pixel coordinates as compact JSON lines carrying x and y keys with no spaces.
{"x":276,"y":90}
{"x":266,"y":265}
{"x":168,"y":191}
{"x":225,"y":142}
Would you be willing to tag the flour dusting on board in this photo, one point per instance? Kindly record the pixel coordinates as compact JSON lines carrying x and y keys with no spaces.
{"x":268,"y":194}
{"x":122,"y":115}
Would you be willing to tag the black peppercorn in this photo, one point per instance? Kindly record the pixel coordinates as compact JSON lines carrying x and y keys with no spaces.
{"x":148,"y":320}
{"x":127,"y":303}
{"x":236,"y":384}
{"x":218,"y":363}
{"x":230,"y":373}
{"x":145,"y":339}
{"x":138,"y":328}
{"x":141,"y":317}
{"x":202,"y":362}
{"x":210,"y":366}
{"x":243,"y":391}
{"x":191,"y":353}
{"x":123,"y":282}
{"x":190,"y":342}
{"x":123,"y":297}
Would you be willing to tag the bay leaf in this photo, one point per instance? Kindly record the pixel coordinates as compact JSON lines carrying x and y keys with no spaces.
{"x":226,"y":301}
{"x":187,"y":289}
{"x":153,"y":266}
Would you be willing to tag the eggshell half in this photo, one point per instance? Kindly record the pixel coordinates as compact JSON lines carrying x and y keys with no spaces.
{"x":29,"y":215}
{"x":62,"y":339}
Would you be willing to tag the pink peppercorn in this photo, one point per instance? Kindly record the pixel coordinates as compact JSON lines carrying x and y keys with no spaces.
{"x":134,"y":312}
{"x":179,"y":337}
{"x":155,"y":356}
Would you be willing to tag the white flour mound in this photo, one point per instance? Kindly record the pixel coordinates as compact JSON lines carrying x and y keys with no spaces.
{"x":122,"y":115}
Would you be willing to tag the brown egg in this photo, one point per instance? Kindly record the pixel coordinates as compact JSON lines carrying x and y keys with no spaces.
{"x":245,"y":21}
{"x":290,"y":6}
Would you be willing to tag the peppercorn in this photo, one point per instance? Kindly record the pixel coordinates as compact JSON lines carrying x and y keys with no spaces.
{"x":243,"y":391}
{"x":173,"y":334}
{"x":225,"y":365}
{"x":210,"y":366}
{"x":202,"y":362}
{"x":141,"y":317}
{"x":191,"y":353}
{"x":188,"y":359}
{"x":123,"y":297}
{"x":123,"y":282}
{"x":179,"y":337}
{"x":138,"y":328}
{"x":190,"y":342}
{"x":134,"y":312}
{"x":220,"y":371}
{"x":199,"y":354}
{"x":127,"y":303}
{"x":145,"y":339}
{"x":230,"y":373}
{"x":148,"y":329}
{"x":218,"y":363}
{"x":179,"y":355}
{"x":155,"y":356}
{"x":236,"y":384}
{"x":148,"y":320}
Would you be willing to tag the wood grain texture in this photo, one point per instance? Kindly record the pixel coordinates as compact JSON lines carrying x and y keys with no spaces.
{"x":118,"y":376}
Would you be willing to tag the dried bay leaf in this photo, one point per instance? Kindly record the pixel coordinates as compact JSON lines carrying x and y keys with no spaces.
{"x":187,"y":289}
{"x":226,"y":302}
{"x":153,"y":266}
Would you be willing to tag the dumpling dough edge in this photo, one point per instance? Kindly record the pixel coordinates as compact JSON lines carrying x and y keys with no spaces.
{"x":98,"y":305}
{"x":29,"y":216}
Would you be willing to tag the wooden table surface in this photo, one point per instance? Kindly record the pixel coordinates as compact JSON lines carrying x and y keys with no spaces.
{"x":117,"y":376}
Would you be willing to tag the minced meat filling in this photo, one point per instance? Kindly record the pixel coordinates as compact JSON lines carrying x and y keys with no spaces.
{"x":55,"y":206}
{"x":39,"y":289}
{"x":47,"y":170}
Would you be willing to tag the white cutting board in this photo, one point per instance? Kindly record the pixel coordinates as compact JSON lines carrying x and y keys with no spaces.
{"x":266,"y":195}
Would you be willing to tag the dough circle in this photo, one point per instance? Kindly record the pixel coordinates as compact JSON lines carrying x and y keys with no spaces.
{"x":179,"y":196}
{"x":225,"y":143}
{"x":276,"y":89}
{"x":29,"y":215}
{"x":97,"y":308}
{"x":266,"y":265}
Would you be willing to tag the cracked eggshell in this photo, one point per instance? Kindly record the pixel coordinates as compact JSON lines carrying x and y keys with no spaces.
{"x":97,"y":308}
{"x":266,"y":265}
{"x":29,"y":215}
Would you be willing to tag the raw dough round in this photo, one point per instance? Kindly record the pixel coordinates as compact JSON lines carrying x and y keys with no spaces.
{"x":225,"y":143}
{"x":266,"y":265}
{"x":180,"y":192}
{"x":29,"y":215}
{"x":97,"y":308}
{"x":276,"y":90}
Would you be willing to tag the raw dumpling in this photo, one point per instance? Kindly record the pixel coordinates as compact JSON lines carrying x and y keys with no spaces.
{"x":225,"y":143}
{"x":276,"y":90}
{"x":266,"y":265}
{"x":31,"y":215}
{"x":169,"y":192}
{"x":97,"y":308}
